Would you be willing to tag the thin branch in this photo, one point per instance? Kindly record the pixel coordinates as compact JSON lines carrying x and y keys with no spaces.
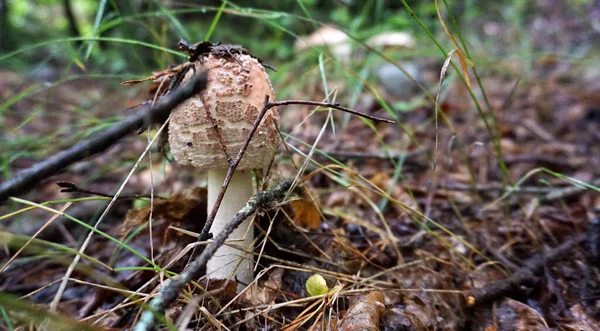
{"x":217,"y":131}
{"x":194,"y":269}
{"x":568,"y":192}
{"x":86,"y":242}
{"x":496,"y":187}
{"x":204,"y":234}
{"x":379,"y":156}
{"x":549,"y":193}
{"x":69,"y":187}
{"x":262,"y":201}
{"x":546,"y":159}
{"x":525,"y":276}
{"x":329,"y":105}
{"x":392,"y":156}
{"x":158,"y":113}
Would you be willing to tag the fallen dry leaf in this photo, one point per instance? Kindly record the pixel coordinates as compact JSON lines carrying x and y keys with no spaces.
{"x":581,"y":320}
{"x":514,"y":315}
{"x":265,"y":292}
{"x":306,"y":214}
{"x":364,"y":314}
{"x":420,"y":315}
{"x":177,"y":207}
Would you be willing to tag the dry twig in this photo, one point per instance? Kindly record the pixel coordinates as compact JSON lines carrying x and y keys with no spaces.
{"x":525,"y":276}
{"x":27,"y":179}
{"x":262,"y":201}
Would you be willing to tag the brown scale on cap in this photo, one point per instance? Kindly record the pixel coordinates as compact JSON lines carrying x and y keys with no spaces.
{"x":235,"y":93}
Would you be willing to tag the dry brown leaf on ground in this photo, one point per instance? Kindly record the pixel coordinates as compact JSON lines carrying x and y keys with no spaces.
{"x":514,"y":315}
{"x":365,"y":313}
{"x":306,"y":214}
{"x":419,"y":317}
{"x":264,"y":293}
{"x":581,"y":320}
{"x":395,"y":319}
{"x":177,"y":207}
{"x":329,"y":324}
{"x":428,"y":310}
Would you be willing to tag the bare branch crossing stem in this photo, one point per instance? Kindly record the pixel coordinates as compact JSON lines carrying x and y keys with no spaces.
{"x":262,"y":201}
{"x":196,"y":266}
{"x":204,"y":234}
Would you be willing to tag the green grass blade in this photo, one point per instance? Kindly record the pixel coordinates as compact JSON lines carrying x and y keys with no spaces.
{"x":6,"y":319}
{"x":215,"y":21}
{"x":27,"y":313}
{"x":109,"y":39}
{"x":97,"y":20}
{"x":89,"y":227}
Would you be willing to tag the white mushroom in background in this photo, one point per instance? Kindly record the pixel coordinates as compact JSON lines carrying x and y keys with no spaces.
{"x":393,"y":80}
{"x":392,"y":40}
{"x":234,"y":96}
{"x":336,"y":39}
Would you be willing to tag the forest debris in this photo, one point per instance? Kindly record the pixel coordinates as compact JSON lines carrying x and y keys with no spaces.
{"x":265,"y":293}
{"x":176,"y":208}
{"x":593,"y":237}
{"x":201,"y":50}
{"x":306,"y":213}
{"x":428,"y":310}
{"x":221,"y":290}
{"x":419,"y":315}
{"x":581,"y":320}
{"x":68,"y":187}
{"x":27,"y":179}
{"x":169,"y":291}
{"x":365,"y":313}
{"x":386,"y":183}
{"x":524,"y":276}
{"x":155,"y":76}
{"x":395,"y":319}
{"x":514,"y":315}
{"x":568,"y":192}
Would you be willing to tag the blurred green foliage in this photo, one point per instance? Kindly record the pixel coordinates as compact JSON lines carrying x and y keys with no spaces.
{"x":268,"y":28}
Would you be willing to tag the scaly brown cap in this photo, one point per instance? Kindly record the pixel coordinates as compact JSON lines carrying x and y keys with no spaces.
{"x":235,"y":94}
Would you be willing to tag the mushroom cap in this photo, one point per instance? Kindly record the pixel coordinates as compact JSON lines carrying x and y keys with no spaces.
{"x":392,"y":39}
{"x":335,"y":39}
{"x":325,"y":35}
{"x":233,"y":98}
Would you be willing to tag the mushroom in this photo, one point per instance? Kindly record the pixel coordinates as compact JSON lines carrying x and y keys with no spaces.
{"x":218,"y":121}
{"x":395,"y":40}
{"x":336,"y":39}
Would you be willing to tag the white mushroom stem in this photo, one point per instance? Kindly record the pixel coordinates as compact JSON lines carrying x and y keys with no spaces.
{"x":229,"y":262}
